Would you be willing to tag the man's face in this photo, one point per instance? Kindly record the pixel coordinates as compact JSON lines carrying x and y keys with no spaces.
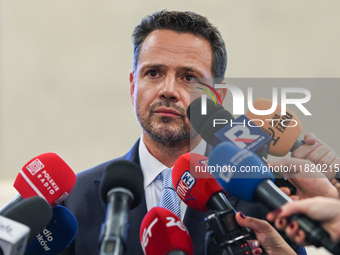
{"x":160,"y":86}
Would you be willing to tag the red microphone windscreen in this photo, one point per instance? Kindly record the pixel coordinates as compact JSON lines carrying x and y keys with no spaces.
{"x":162,"y":232}
{"x":284,"y":129}
{"x":192,"y":182}
{"x":47,"y":176}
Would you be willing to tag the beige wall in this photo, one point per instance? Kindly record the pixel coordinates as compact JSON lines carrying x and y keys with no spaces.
{"x":64,"y":69}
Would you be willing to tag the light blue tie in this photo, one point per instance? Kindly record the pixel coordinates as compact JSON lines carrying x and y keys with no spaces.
{"x":169,"y":198}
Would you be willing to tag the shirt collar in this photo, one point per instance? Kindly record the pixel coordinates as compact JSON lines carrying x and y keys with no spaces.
{"x":152,"y":167}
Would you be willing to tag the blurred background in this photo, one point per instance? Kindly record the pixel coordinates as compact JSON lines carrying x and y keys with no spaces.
{"x":64,"y":69}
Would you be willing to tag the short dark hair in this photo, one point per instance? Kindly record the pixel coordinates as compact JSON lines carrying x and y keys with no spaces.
{"x":183,"y":22}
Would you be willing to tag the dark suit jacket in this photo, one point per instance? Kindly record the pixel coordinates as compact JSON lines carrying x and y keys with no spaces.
{"x":89,"y":209}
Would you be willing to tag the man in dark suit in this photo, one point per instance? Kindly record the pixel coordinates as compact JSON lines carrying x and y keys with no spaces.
{"x":170,"y":49}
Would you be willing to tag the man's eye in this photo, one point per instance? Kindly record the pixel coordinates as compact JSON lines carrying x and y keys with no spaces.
{"x":188,"y":77}
{"x":152,"y":73}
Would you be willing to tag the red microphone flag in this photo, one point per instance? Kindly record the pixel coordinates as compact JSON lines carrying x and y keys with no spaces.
{"x":162,"y":232}
{"x":47,"y":176}
{"x":192,"y":181}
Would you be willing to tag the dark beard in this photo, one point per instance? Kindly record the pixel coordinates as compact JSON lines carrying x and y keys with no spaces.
{"x":161,"y":130}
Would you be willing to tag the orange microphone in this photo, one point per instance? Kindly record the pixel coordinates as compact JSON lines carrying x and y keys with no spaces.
{"x":284,"y":129}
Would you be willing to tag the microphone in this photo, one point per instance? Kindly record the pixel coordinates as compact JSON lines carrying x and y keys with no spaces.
{"x":58,"y":234}
{"x":212,"y":127}
{"x":283,"y":129}
{"x":245,"y":169}
{"x":33,"y":212}
{"x":204,"y":124}
{"x":163,"y":233}
{"x":200,"y":191}
{"x":196,"y":187}
{"x":13,"y":236}
{"x":123,"y":189}
{"x":46,"y":176}
{"x":248,"y":135}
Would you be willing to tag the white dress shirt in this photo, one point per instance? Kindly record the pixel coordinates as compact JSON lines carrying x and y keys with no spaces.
{"x":151,"y":168}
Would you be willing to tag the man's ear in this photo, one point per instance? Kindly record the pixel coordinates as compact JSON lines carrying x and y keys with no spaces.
{"x":222,"y":92}
{"x":132,"y":86}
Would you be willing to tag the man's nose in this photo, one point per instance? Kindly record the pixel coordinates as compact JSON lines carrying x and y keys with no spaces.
{"x":169,"y":89}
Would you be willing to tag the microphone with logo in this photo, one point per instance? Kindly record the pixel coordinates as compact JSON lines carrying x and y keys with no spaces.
{"x":123,"y":189}
{"x":13,"y":236}
{"x":283,"y":129}
{"x":218,"y":125}
{"x":245,"y":169}
{"x":22,"y":223}
{"x":163,"y":233}
{"x":214,"y":127}
{"x":56,"y":236}
{"x":46,"y":176}
{"x":199,"y":190}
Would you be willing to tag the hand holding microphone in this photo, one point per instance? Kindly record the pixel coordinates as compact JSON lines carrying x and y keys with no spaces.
{"x":285,"y":131}
{"x":268,"y":236}
{"x":308,"y":180}
{"x":313,"y":208}
{"x":319,"y":153}
{"x":259,"y":186}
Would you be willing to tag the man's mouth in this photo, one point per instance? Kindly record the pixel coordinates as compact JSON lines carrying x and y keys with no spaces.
{"x":167,"y":112}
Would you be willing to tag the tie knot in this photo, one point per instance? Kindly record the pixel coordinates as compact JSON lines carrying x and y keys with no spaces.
{"x":167,"y":178}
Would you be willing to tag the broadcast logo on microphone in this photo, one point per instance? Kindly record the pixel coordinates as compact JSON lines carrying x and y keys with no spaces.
{"x":35,"y":166}
{"x":172,"y":222}
{"x":162,"y":232}
{"x":147,"y":233}
{"x":7,"y":229}
{"x":244,"y":136}
{"x":187,"y":180}
{"x":45,"y":239}
{"x":47,"y":176}
{"x":184,"y":186}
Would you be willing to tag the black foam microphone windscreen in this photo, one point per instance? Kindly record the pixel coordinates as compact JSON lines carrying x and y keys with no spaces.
{"x":124,"y":174}
{"x":203,"y":124}
{"x":34,"y":212}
